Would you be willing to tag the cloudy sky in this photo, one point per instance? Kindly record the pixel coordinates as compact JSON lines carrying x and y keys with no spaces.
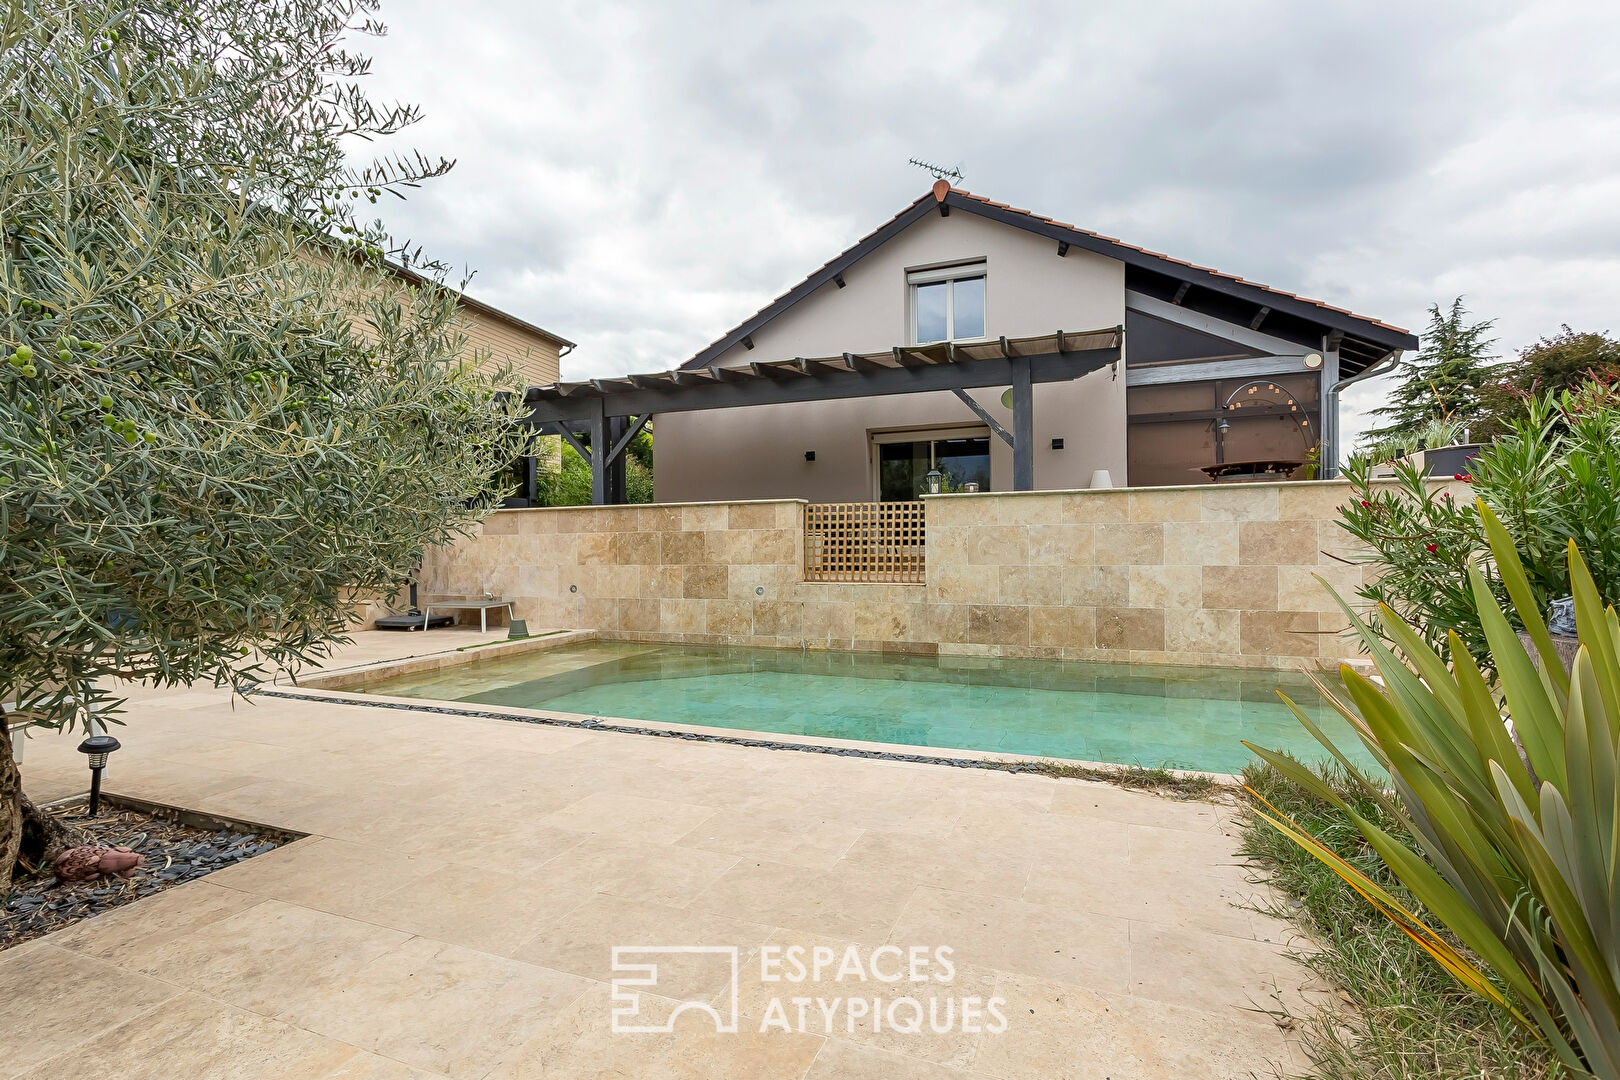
{"x":638,"y":177}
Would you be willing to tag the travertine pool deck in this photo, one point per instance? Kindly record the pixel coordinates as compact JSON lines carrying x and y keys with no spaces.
{"x":452,"y":912}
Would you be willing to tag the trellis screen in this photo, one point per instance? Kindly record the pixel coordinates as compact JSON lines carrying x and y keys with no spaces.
{"x":874,"y":542}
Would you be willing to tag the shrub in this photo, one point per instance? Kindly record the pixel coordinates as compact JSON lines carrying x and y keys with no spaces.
{"x":1554,"y":478}
{"x":1515,"y":823}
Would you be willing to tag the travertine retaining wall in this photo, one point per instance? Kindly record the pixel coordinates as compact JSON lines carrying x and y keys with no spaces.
{"x":1195,"y":575}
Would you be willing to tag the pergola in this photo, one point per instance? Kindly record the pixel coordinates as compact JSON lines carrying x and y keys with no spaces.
{"x":608,"y":413}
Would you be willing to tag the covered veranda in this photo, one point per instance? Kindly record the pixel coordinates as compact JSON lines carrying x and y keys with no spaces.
{"x":599,"y":417}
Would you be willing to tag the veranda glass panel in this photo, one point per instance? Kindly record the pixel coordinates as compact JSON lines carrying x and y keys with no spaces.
{"x":964,"y":461}
{"x":901,"y":468}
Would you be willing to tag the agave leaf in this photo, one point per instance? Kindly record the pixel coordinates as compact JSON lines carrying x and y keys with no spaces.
{"x":1370,"y":789}
{"x":1300,"y":775}
{"x":1511,"y":570}
{"x":1592,"y":624}
{"x":1535,"y":718}
{"x":1454,"y":962}
{"x":1485,"y":720}
{"x":1572,"y":933}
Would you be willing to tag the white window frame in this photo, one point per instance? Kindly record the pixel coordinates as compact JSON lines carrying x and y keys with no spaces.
{"x":933,"y":275}
{"x":929,"y":435}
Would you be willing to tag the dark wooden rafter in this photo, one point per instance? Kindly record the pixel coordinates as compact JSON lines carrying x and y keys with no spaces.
{"x":601,"y":408}
{"x":624,"y":441}
{"x":1063,"y":249}
{"x":984,"y":414}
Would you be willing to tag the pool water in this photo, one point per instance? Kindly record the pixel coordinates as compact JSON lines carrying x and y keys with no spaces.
{"x":1129,"y":714}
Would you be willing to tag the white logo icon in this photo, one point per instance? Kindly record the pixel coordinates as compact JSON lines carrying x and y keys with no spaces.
{"x":627,"y":1001}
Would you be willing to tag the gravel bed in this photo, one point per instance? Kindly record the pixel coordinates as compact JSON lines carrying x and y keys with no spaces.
{"x":175,"y":854}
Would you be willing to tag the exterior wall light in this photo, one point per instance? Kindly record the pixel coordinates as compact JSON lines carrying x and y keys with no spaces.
{"x":1313,"y":360}
{"x":97,"y":748}
{"x":933,"y":478}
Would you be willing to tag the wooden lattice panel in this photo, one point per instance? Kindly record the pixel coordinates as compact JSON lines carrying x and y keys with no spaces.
{"x":874,"y":542}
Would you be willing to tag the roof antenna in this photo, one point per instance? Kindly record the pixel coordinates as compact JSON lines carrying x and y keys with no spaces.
{"x":939,"y":172}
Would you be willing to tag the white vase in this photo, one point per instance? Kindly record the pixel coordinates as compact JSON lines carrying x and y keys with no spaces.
{"x":1101,"y":479}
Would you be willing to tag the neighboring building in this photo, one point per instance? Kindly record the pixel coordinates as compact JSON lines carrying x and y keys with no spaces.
{"x":534,"y":354}
{"x":956,"y":267}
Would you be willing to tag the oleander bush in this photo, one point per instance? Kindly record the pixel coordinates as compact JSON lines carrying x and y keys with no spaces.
{"x":1553,"y":478}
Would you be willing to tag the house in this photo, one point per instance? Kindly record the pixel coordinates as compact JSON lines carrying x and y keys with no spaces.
{"x":534,"y":354}
{"x":1211,"y":372}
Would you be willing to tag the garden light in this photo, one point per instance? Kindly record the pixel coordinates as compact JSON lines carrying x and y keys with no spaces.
{"x":97,"y":748}
{"x":933,"y":477}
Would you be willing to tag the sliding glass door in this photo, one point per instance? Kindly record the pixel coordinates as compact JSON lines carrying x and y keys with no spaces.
{"x":904,"y":459}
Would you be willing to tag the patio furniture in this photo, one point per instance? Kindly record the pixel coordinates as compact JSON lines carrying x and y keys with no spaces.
{"x":1228,"y":472}
{"x":483,"y":607}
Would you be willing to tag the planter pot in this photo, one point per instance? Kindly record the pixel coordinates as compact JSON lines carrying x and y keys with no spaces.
{"x":1442,"y":461}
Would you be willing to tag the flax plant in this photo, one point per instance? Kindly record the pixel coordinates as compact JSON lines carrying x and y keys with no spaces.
{"x":1511,"y":791}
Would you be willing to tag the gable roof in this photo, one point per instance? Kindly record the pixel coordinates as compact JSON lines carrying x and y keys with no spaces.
{"x":411,"y":276}
{"x":1364,"y":341}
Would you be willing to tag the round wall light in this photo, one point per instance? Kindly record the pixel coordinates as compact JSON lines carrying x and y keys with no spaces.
{"x":1313,"y":360}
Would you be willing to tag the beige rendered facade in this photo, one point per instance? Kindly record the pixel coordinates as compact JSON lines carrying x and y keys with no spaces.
{"x":759,"y":453}
{"x":1195,"y":341}
{"x":1203,"y":575}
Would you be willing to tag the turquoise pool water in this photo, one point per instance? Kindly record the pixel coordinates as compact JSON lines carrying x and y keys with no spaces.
{"x":1192,"y":718}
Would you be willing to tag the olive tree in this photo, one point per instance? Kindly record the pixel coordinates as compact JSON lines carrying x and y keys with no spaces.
{"x":223,"y":416}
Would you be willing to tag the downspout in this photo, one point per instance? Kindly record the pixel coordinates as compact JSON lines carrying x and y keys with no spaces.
{"x":1330,"y":469}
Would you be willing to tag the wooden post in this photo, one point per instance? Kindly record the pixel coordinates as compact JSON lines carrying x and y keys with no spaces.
{"x":1023,"y":426}
{"x":616,"y":493}
{"x":599,"y":449}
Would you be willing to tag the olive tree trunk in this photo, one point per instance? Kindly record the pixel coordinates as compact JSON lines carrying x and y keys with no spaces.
{"x":28,"y":835}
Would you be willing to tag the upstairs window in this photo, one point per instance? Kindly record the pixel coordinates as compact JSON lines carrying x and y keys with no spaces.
{"x":947,"y":304}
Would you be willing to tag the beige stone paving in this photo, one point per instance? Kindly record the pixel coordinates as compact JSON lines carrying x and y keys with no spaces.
{"x":453,"y":910}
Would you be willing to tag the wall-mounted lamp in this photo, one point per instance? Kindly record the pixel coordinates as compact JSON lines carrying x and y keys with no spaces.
{"x":809,"y":455}
{"x":1313,"y":360}
{"x":1057,"y":444}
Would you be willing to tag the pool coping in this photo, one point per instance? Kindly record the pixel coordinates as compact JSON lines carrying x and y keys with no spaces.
{"x":358,"y":674}
{"x":906,"y":752}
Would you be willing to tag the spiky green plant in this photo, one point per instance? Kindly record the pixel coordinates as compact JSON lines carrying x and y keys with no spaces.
{"x":1512,"y":792}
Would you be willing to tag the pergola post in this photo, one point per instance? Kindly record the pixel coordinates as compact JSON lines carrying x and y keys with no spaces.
{"x":599,"y":450}
{"x":1023,"y":403}
{"x":616,"y":493}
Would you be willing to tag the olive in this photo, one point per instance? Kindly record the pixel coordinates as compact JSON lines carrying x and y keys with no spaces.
{"x":24,"y":353}
{"x":106,"y":401}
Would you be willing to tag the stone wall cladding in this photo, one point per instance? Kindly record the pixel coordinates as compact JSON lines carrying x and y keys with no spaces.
{"x":1197,"y":575}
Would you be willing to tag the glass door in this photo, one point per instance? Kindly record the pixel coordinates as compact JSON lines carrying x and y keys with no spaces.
{"x":903,"y":461}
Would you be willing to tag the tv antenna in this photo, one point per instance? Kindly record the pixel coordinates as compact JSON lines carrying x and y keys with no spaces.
{"x":939,"y":172}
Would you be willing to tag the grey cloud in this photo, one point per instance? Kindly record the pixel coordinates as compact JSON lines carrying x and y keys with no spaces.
{"x":640,"y":176}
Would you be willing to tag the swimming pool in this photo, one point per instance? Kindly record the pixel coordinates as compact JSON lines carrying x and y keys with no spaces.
{"x":1128,"y":714}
